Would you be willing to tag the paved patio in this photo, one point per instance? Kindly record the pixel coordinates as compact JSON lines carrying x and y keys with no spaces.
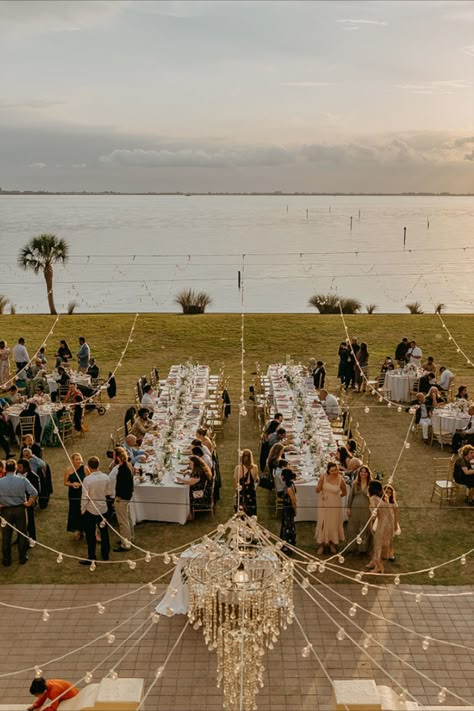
{"x":291,"y":684}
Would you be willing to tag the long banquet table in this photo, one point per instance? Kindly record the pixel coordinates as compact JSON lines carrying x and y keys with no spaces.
{"x":293,"y":394}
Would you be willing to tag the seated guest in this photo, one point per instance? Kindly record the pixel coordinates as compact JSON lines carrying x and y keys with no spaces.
{"x":142,"y":424}
{"x":40,"y":397}
{"x":12,"y":395}
{"x":422,"y":414}
{"x":73,"y":393}
{"x":93,"y":369}
{"x":29,"y":443}
{"x":278,"y":436}
{"x":49,"y":694}
{"x":203,"y":436}
{"x":270,"y":428}
{"x":387,"y":365}
{"x":466,"y":435}
{"x":445,"y":378}
{"x":36,"y":366}
{"x":463,"y":474}
{"x":343,"y":457}
{"x":147,"y":398}
{"x":42,"y":356}
{"x":275,"y":455}
{"x":5,"y":435}
{"x":200,"y":485}
{"x":63,"y":377}
{"x":199,"y":452}
{"x":435,"y":397}
{"x":462,"y":393}
{"x":426,"y":382}
{"x":135,"y":455}
{"x":329,"y":404}
{"x":197,"y":443}
{"x":319,"y":375}
{"x":429,"y":366}
{"x":63,"y":354}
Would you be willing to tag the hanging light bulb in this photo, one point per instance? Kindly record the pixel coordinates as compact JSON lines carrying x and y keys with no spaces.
{"x":113,"y":674}
{"x":353,"y":611}
{"x":418,"y":598}
{"x":59,"y":559}
{"x":389,"y":404}
{"x":407,"y":445}
{"x":341,"y":559}
{"x":367,"y":641}
{"x":148,"y":557}
{"x":341,"y":633}
{"x":359,"y":540}
{"x":442,"y":695}
{"x":463,"y":560}
{"x":155,"y":618}
{"x":159,"y":672}
{"x":322,"y":567}
{"x":100,"y":608}
{"x":365,"y":590}
{"x":110,"y":637}
{"x":175,"y":559}
{"x":32,"y":542}
{"x":312,"y":567}
{"x":88,"y":677}
{"x":38,"y":672}
{"x":166,"y":559}
{"x":359,"y":575}
{"x":305,"y":652}
{"x":3,"y":522}
{"x":152,"y":588}
{"x":366,"y":410}
{"x":131,"y":564}
{"x":45,"y":616}
{"x":399,"y":409}
{"x":396,"y":580}
{"x":305,"y":583}
{"x":426,"y":643}
{"x":431,"y":573}
{"x":92,"y":566}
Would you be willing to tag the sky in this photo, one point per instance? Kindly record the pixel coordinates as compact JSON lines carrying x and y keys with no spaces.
{"x":143,"y":95}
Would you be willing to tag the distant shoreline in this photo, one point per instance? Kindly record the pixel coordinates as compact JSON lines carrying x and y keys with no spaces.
{"x":230,"y":194}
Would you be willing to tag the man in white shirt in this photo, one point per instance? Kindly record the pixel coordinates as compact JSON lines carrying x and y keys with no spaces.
{"x":147,"y":399}
{"x":20,"y":355}
{"x":95,"y":488}
{"x":330,"y":404}
{"x":445,"y":378}
{"x":414,"y":354}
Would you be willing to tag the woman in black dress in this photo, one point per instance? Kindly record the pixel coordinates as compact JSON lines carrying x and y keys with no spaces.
{"x":342,"y":353}
{"x":200,"y":485}
{"x":245,"y":482}
{"x":73,"y":478}
{"x":288,"y":513}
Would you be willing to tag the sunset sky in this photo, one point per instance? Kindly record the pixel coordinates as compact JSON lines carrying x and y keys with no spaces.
{"x":237,"y":96}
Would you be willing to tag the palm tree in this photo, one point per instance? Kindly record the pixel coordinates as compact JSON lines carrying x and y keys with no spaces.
{"x":40,"y":254}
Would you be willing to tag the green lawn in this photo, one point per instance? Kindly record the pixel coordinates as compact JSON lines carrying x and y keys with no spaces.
{"x":429,"y":534}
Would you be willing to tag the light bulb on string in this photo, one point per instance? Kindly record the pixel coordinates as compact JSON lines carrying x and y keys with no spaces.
{"x":341,"y":559}
{"x":155,"y":618}
{"x":366,"y":410}
{"x":38,"y":672}
{"x":312,"y":567}
{"x":131,"y":564}
{"x":59,"y":559}
{"x":341,"y":633}
{"x":166,"y":559}
{"x":3,"y":522}
{"x":45,"y":616}
{"x":396,"y":580}
{"x":431,"y":573}
{"x":305,"y":583}
{"x":365,"y":590}
{"x":322,"y":567}
{"x":353,"y":611}
{"x":113,"y":674}
{"x":358,"y":577}
{"x":367,"y":641}
{"x":32,"y":542}
{"x":442,"y":695}
{"x":110,"y":637}
{"x":148,"y":557}
{"x":100,"y":608}
{"x":159,"y":672}
{"x":418,"y":598}
{"x":359,"y":540}
{"x":407,"y":445}
{"x":305,"y":652}
{"x":152,"y":588}
{"x":88,"y":677}
{"x":426,"y":643}
{"x":463,"y":560}
{"x":92,"y":566}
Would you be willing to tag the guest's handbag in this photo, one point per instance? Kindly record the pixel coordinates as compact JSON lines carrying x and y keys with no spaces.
{"x":266,"y":483}
{"x":199,"y":494}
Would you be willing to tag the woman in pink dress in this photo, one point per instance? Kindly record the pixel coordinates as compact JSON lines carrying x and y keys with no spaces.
{"x":4,"y":363}
{"x":330,"y":527}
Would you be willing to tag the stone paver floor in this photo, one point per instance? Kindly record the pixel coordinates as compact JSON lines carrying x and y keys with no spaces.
{"x":292,"y":683}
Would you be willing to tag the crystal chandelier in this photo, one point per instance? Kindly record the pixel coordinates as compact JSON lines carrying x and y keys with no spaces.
{"x":241,"y":594}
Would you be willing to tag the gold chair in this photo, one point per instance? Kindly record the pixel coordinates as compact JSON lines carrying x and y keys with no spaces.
{"x":27,"y":426}
{"x":66,"y":426}
{"x":445,"y":487}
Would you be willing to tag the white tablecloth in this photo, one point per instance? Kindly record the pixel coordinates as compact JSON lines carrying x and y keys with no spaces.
{"x":44,"y":411}
{"x":77,"y":378}
{"x":307,"y":501}
{"x":167,"y":501}
{"x":399,"y":385}
{"x":446,"y":422}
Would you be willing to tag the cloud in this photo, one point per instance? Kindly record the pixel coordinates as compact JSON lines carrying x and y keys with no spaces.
{"x":307,"y":84}
{"x":199,"y":157}
{"x":358,"y":23}
{"x":436,"y":87}
{"x":469,"y":50}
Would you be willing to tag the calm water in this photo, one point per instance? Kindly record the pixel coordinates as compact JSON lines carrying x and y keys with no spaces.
{"x":134,"y":253}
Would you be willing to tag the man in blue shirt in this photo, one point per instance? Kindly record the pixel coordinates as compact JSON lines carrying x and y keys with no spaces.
{"x":16,"y":494}
{"x":83,"y":355}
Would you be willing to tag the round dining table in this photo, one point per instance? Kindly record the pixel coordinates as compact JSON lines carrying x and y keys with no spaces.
{"x":399,"y":384}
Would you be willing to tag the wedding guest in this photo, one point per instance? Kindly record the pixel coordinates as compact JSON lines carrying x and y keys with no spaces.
{"x":355,"y":345}
{"x":93,"y":369}
{"x":329,"y":404}
{"x":358,"y":512}
{"x":463,"y":473}
{"x":73,"y":393}
{"x":83,"y":355}
{"x":13,"y":395}
{"x":200,"y":485}
{"x":20,"y":355}
{"x":401,"y":352}
{"x":329,"y":530}
{"x":343,"y":457}
{"x":387,"y":365}
{"x":95,"y":489}
{"x":148,"y":400}
{"x":135,"y":455}
{"x":41,"y":397}
{"x":277,"y":477}
{"x":445,"y":379}
{"x":426,"y":382}
{"x":73,"y":478}
{"x":429,"y":366}
{"x":123,"y":495}
{"x":319,"y":375}
{"x":23,"y":468}
{"x":435,"y":397}
{"x":16,"y":493}
{"x":414,"y":354}
{"x":362,"y":368}
{"x":390,"y":497}
{"x":274,"y":456}
{"x":383,"y":527}
{"x":142,"y":424}
{"x":462,"y":393}
{"x":63,"y":354}
{"x":289,"y":510}
{"x":202,"y":434}
{"x":422,"y":414}
{"x":278,"y":436}
{"x":4,"y":363}
{"x":42,"y":356}
{"x":202,"y":452}
{"x":245,"y":483}
{"x":350,"y":368}
{"x":28,"y":442}
{"x":271,"y":427}
{"x":342,"y":353}
{"x":36,"y":367}
{"x":5,"y":434}
{"x":31,"y":410}
{"x":53,"y":691}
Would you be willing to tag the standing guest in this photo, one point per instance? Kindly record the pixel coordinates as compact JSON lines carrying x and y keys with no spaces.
{"x":362,"y":368}
{"x":20,"y":355}
{"x":93,"y":369}
{"x":383,"y":527}
{"x":429,"y":366}
{"x":277,"y":477}
{"x":123,"y":496}
{"x":23,"y":469}
{"x":350,"y":367}
{"x":358,"y":512}
{"x":277,"y":436}
{"x":329,"y":530}
{"x":462,"y":393}
{"x":83,"y":355}
{"x":200,"y":485}
{"x":445,"y":379}
{"x":329,"y":404}
{"x":63,"y":354}
{"x":53,"y":691}
{"x":463,"y":473}
{"x":414,"y":354}
{"x":4,"y":363}
{"x":466,"y":435}
{"x":5,"y":433}
{"x":36,"y":463}
{"x":73,"y":478}
{"x":319,"y":375}
{"x":16,"y":494}
{"x":147,"y":398}
{"x":342,"y":353}
{"x":245,"y":483}
{"x":142,"y":424}
{"x":289,"y":510}
{"x":355,"y":345}
{"x":391,"y":498}
{"x":401,"y":352}
{"x":95,"y":489}
{"x":276,"y":453}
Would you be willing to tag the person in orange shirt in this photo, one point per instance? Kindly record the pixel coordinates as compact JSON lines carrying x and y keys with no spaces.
{"x":53,"y":690}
